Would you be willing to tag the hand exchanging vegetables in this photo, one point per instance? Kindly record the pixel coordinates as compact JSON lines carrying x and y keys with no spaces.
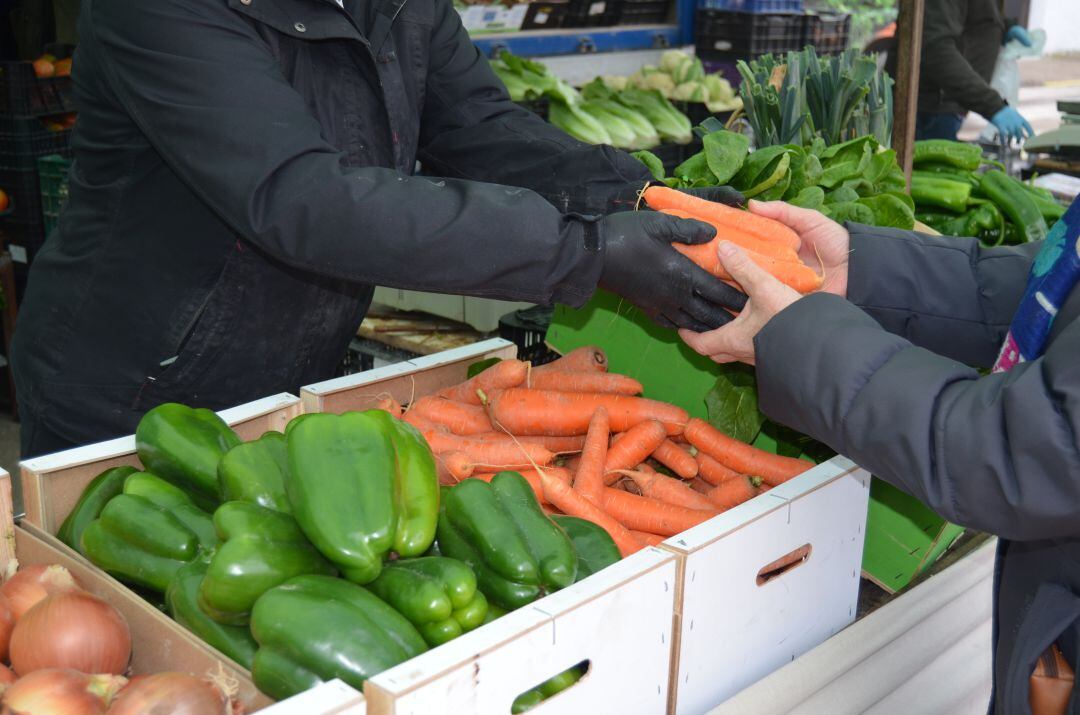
{"x":823,"y":241}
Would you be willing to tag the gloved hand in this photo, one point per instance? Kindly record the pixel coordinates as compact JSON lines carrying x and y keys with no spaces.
{"x":720,"y":194}
{"x":1010,"y":124}
{"x":641,"y":266}
{"x":1018,"y":33}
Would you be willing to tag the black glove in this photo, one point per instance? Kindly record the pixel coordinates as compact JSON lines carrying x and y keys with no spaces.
{"x":719,"y":194}
{"x":641,"y":266}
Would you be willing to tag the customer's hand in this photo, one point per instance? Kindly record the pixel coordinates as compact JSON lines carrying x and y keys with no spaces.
{"x":1011,"y":124}
{"x":641,"y":266}
{"x":1018,"y":33}
{"x":768,"y":296}
{"x":825,"y":243}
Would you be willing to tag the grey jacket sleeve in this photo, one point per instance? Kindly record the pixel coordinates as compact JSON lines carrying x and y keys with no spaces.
{"x":996,"y":453}
{"x":472,"y":130}
{"x":208,"y":94}
{"x":948,"y":295}
{"x":943,"y":30}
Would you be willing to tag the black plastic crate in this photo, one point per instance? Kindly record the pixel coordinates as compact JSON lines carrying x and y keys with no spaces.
{"x":753,"y":5}
{"x":24,"y":195}
{"x":22,"y":93}
{"x":527,"y":329}
{"x":592,"y":13}
{"x":644,"y":12}
{"x":721,"y":35}
{"x":24,"y":139}
{"x":545,"y":15}
{"x":53,"y":180}
{"x":826,"y":33}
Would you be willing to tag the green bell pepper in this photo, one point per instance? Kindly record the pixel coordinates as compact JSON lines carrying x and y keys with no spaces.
{"x":927,"y":189}
{"x":437,"y":594}
{"x":255,"y":472}
{"x":147,"y":533}
{"x":362,"y":485}
{"x":315,"y":628}
{"x":260,"y":548}
{"x":94,"y":498}
{"x":499,"y":530}
{"x":182,"y":599}
{"x":594,"y":546}
{"x":960,"y":155}
{"x":183,"y":446}
{"x":549,"y":688}
{"x":1016,"y":203}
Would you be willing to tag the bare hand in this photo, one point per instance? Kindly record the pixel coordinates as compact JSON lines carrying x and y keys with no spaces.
{"x":825,"y":243}
{"x":768,"y":296}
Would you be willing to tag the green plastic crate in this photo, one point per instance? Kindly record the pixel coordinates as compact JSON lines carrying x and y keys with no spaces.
{"x":53,"y":180}
{"x":903,"y":537}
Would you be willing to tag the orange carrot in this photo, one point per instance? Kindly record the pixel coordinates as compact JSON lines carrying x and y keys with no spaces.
{"x":558,"y":445}
{"x":389,"y":404}
{"x":651,"y":515}
{"x":649,"y":539}
{"x":499,"y":454}
{"x":712,"y":471}
{"x":666,"y":489}
{"x":532,"y":477}
{"x":423,"y":423}
{"x":521,"y":411}
{"x":588,"y":358}
{"x":701,"y":486}
{"x":501,"y":375}
{"x":452,"y":467}
{"x":797,"y":275}
{"x":585,"y":382}
{"x":764,"y":229}
{"x":734,"y":492}
{"x":633,"y":447}
{"x":589,"y":478}
{"x":676,"y":459}
{"x":572,"y":502}
{"x":781,"y":251}
{"x":742,"y":457}
{"x":459,"y":417}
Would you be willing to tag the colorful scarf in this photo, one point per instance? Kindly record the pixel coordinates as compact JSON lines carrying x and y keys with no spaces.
{"x":1053,"y":275}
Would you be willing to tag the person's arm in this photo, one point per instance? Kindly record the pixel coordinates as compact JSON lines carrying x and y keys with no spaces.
{"x":211,"y":99}
{"x":999,"y":453}
{"x":472,"y":130}
{"x":948,"y":295}
{"x":943,"y":26}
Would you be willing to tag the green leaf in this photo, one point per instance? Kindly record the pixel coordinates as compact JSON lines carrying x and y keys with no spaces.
{"x":478,"y":367}
{"x":841,"y":195}
{"x":763,"y":169}
{"x":849,"y":211}
{"x":777,"y":190}
{"x":790,"y":443}
{"x":732,"y":403}
{"x":725,"y":152}
{"x":695,"y":169}
{"x":889,"y":211}
{"x":811,"y":197}
{"x":652,"y":163}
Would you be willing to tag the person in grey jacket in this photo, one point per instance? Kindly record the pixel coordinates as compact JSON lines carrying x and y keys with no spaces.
{"x":881,"y":366}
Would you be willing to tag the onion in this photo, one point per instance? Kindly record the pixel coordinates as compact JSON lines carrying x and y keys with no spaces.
{"x":6,"y":676}
{"x":61,"y":692}
{"x":71,"y":630}
{"x":171,"y":694}
{"x":7,"y":623}
{"x":33,"y":583}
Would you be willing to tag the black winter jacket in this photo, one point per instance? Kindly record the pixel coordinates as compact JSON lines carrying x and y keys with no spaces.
{"x":999,"y":453}
{"x":243,"y":178}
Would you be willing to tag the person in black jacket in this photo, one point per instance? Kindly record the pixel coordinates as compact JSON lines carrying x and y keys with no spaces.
{"x":243,"y":177}
{"x":961,"y":42}
{"x":888,"y":378}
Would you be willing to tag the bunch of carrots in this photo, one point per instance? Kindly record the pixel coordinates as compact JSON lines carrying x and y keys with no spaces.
{"x":770,"y":244}
{"x":587,"y":443}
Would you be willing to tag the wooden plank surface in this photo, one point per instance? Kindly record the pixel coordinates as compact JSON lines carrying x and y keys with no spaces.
{"x":416,"y":332}
{"x":909,"y":31}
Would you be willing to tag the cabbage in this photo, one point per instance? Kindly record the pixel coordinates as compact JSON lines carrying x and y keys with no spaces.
{"x":669,"y":122}
{"x":690,"y":92}
{"x":577,"y":123}
{"x":622,"y":135}
{"x":645,"y":136}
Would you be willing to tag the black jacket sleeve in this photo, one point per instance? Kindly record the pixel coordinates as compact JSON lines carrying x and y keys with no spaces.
{"x":997,"y":453}
{"x":211,"y":99}
{"x":472,"y":130}
{"x":948,"y":295}
{"x":943,"y":30}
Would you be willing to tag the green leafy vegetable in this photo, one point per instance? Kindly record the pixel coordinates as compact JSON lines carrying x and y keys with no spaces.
{"x":652,"y":163}
{"x":732,"y":403}
{"x":725,"y":153}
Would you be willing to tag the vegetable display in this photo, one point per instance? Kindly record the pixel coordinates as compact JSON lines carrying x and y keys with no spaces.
{"x":681,"y":77}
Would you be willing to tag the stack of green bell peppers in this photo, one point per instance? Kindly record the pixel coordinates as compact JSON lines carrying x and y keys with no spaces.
{"x":311,"y":554}
{"x":955,"y":198}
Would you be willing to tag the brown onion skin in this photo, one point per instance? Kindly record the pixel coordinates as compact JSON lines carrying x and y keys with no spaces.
{"x":7,"y":625}
{"x":7,"y":677}
{"x":170,"y":693}
{"x":32,"y":584}
{"x":60,"y":692}
{"x":71,"y":630}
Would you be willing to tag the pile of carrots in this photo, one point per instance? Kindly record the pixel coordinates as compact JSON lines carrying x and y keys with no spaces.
{"x":770,"y":244}
{"x":587,"y":443}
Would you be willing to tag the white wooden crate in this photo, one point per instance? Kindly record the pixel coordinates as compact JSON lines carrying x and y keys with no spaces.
{"x":619,"y":619}
{"x":737,"y":620}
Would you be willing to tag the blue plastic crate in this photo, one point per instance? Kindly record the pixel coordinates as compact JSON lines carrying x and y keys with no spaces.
{"x":752,"y":5}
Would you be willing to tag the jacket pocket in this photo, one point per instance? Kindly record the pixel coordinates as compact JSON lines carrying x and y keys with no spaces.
{"x":1054,"y":616}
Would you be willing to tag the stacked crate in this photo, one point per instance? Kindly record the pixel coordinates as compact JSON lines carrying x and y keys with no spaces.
{"x":726,"y":31}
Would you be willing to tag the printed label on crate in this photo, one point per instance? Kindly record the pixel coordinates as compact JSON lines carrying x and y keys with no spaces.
{"x":541,"y":17}
{"x":493,"y":18}
{"x":722,"y":45}
{"x":18,"y":253}
{"x":597,"y":8}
